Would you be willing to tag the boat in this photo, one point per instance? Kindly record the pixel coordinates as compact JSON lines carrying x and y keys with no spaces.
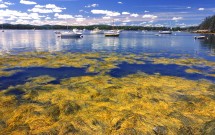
{"x":119,"y":31}
{"x":112,"y":33}
{"x":199,"y":37}
{"x":77,"y":31}
{"x":97,"y":31}
{"x":71,"y":34}
{"x":165,"y":32}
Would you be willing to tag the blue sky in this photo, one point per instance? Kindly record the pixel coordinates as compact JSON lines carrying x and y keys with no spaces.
{"x":89,"y":12}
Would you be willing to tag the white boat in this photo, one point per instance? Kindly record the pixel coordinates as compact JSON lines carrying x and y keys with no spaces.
{"x":77,"y":31}
{"x":97,"y":31}
{"x":199,"y":37}
{"x":165,"y":32}
{"x":112,"y":33}
{"x":119,"y":31}
{"x":71,"y":34}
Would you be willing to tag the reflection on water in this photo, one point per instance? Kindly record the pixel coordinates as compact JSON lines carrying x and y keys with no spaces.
{"x":209,"y":43}
{"x":12,"y":41}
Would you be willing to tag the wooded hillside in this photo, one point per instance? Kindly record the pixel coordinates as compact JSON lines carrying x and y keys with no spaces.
{"x":208,"y":24}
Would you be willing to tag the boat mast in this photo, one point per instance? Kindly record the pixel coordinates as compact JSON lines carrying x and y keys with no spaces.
{"x":2,"y":27}
{"x":113,"y":25}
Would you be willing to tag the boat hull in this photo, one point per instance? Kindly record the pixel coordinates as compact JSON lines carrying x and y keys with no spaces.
{"x":71,"y":35}
{"x":199,"y":37}
{"x":111,"y":35}
{"x":165,"y":32}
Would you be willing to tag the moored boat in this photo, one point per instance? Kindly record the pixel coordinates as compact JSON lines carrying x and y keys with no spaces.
{"x":97,"y":31}
{"x":71,"y":34}
{"x":199,"y":37}
{"x":165,"y":32}
{"x":112,"y":33}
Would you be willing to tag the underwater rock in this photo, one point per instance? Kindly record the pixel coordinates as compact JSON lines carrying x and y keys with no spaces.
{"x":160,"y":130}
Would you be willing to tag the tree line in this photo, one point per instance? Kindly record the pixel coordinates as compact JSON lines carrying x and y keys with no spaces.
{"x":91,"y":27}
{"x":208,"y":24}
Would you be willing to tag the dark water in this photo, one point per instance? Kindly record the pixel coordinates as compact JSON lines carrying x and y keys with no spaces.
{"x":16,"y":41}
{"x":166,"y":70}
{"x":26,"y":73}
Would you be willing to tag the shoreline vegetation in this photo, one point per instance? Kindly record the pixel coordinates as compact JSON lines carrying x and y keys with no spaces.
{"x":90,"y":27}
{"x":134,"y":104}
{"x":206,"y":27}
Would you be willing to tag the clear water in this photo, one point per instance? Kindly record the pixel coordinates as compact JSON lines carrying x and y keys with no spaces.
{"x":16,"y":41}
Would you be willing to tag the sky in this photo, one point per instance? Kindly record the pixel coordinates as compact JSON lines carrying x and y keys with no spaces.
{"x":169,"y":13}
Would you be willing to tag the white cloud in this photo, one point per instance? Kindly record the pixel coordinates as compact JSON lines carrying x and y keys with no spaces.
{"x":126,"y":21}
{"x":134,"y":15}
{"x":92,"y":5}
{"x":26,"y":2}
{"x":63,"y":16}
{"x":106,"y":17}
{"x":201,"y":9}
{"x":123,"y":24}
{"x":177,"y":18}
{"x":146,"y":11}
{"x":148,"y":16}
{"x":80,"y":19}
{"x":35,"y":16}
{"x":105,"y":12}
{"x":188,"y":7}
{"x":125,"y":13}
{"x":119,"y":2}
{"x":17,"y":15}
{"x":47,"y":18}
{"x":40,"y":10}
{"x":3,"y":6}
{"x":79,"y":16}
{"x":8,"y":3}
{"x":49,"y":8}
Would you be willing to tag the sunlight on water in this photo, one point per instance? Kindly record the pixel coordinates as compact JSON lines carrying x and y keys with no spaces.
{"x":138,"y":83}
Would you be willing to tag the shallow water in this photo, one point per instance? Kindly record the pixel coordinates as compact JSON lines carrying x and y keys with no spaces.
{"x":176,"y":45}
{"x":98,"y":85}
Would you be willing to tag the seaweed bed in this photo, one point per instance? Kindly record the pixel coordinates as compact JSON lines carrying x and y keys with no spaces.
{"x":98,"y":103}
